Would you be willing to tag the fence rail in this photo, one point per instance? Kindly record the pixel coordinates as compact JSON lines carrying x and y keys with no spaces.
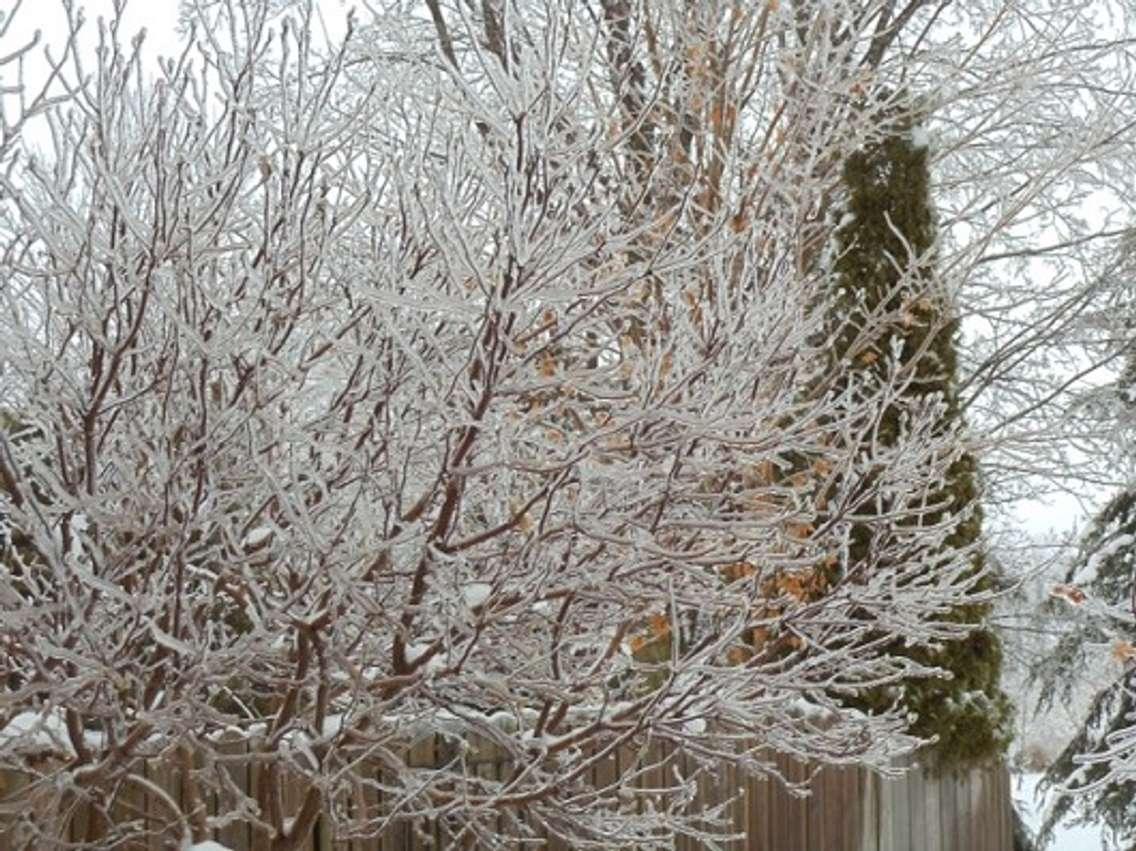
{"x":849,"y":809}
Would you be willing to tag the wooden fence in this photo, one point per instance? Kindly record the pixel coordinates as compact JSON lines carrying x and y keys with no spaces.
{"x":850,"y":809}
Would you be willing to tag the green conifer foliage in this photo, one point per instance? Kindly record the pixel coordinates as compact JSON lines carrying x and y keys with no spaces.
{"x":893,"y":324}
{"x":1105,"y":569}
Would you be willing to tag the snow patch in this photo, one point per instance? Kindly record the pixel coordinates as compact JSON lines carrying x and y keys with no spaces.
{"x":1066,"y":837}
{"x":416,"y":650}
{"x":257,"y":536}
{"x":476,"y":593}
{"x":1111,"y":548}
{"x":43,"y":731}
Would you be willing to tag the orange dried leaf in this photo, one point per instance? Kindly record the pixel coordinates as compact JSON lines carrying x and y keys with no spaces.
{"x":1069,"y":593}
{"x":547,"y":365}
{"x":1123,"y":651}
{"x":738,"y":570}
{"x":799,"y":531}
{"x":763,"y":503}
{"x":792,"y":586}
{"x":737,"y":656}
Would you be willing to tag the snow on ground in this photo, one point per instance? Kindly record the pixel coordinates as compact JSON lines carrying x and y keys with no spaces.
{"x":1067,"y":837}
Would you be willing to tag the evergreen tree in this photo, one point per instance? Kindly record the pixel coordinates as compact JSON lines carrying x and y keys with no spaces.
{"x":1104,"y":571}
{"x":894,"y":324}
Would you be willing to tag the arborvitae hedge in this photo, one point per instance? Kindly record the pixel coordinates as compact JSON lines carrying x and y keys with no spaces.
{"x":890,"y":312}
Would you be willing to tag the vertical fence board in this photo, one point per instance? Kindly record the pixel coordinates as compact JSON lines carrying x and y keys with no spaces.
{"x":423,"y":755}
{"x":1006,"y":805}
{"x":980,"y":811}
{"x":814,"y":810}
{"x":836,"y":804}
{"x":987,"y":826}
{"x":869,"y":785}
{"x":160,"y":822}
{"x":736,"y":787}
{"x":798,"y":808}
{"x":397,"y":836}
{"x":626,"y":762}
{"x":886,"y":789}
{"x":964,"y":815}
{"x":655,"y":779}
{"x":488,"y":768}
{"x":686,"y":843}
{"x":958,"y":814}
{"x":841,"y":801}
{"x":131,"y":808}
{"x":713,"y":786}
{"x":932,"y":818}
{"x":237,"y":835}
{"x":913,"y":784}
{"x":947,"y":797}
{"x":901,"y":815}
{"x":827,"y":792}
{"x":10,"y":786}
{"x":756,"y":814}
{"x":372,"y":801}
{"x":776,"y":810}
{"x":293,"y":796}
{"x":991,"y":817}
{"x":77,"y":826}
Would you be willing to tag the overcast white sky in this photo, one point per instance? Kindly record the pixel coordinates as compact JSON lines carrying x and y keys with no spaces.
{"x":157,"y":17}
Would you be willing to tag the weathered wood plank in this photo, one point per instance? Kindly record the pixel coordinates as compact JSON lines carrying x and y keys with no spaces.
{"x":815,"y":810}
{"x":796,"y":809}
{"x":932,"y":817}
{"x":841,"y":801}
{"x":735,"y":785}
{"x":869,"y":786}
{"x":1006,"y":805}
{"x":758,"y":801}
{"x":916,"y":810}
{"x":234,"y":763}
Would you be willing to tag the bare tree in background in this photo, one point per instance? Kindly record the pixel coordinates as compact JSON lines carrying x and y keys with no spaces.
{"x":439,"y":383}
